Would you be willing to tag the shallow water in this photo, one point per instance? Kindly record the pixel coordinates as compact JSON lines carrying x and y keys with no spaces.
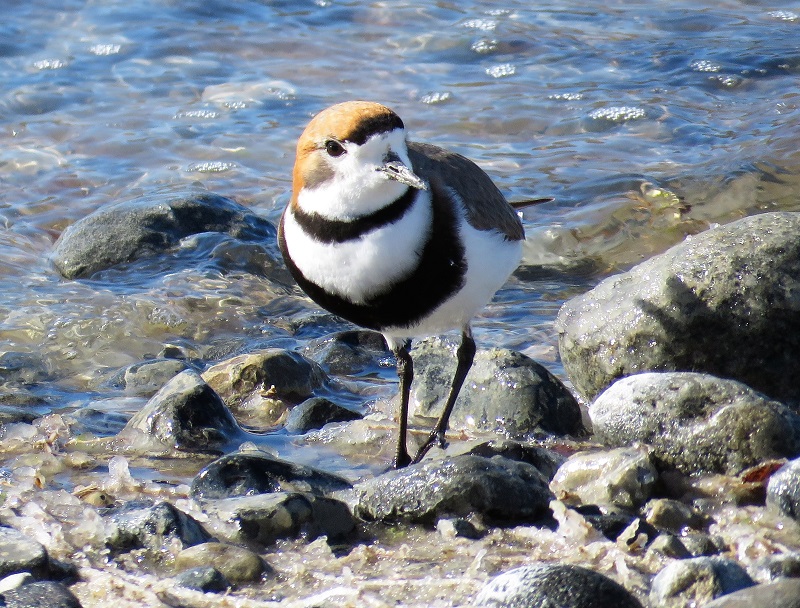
{"x":645,"y":121}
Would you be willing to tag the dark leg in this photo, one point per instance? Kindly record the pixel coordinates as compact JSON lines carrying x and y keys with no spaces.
{"x":466,"y":353}
{"x":405,"y":370}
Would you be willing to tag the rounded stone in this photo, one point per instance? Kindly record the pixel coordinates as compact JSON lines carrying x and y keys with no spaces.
{"x":696,"y":423}
{"x":562,"y":585}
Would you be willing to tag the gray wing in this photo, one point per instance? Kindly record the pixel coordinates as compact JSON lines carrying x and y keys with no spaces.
{"x":487,"y":208}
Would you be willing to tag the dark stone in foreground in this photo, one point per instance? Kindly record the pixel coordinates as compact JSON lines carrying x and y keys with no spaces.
{"x":556,"y":585}
{"x":695,"y":422}
{"x":123,"y":232}
{"x":497,"y":488}
{"x":153,"y":528}
{"x":249,"y":473}
{"x":724,"y":302}
{"x":45,"y":594}
{"x":186,"y":414}
{"x":783,"y":489}
{"x":504,"y":391}
{"x":784,"y":593}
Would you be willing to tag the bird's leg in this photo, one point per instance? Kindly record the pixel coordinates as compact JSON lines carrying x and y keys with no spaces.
{"x":465,"y":354}
{"x":405,"y":370}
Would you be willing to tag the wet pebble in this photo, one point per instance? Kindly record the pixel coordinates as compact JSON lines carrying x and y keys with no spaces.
{"x":504,"y":391}
{"x":695,"y":423}
{"x":262,"y":386}
{"x":42,"y":594}
{"x":250,"y":472}
{"x":186,"y":414}
{"x":315,"y":413}
{"x":547,"y":461}
{"x":154,"y":223}
{"x":156,"y":527}
{"x":783,"y":489}
{"x":624,"y":477}
{"x":203,"y":578}
{"x":561,"y":585}
{"x":697,"y":581}
{"x":497,"y":488}
{"x":721,"y":302}
{"x":784,"y":593}
{"x":266,"y":518}
{"x":235,"y":564}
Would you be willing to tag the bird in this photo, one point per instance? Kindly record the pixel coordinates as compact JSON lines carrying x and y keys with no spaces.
{"x":404,"y":238}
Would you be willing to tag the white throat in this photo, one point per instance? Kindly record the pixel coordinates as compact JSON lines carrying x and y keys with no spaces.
{"x":357,"y":187}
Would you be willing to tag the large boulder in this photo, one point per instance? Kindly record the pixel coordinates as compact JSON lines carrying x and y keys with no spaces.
{"x":725,"y":302}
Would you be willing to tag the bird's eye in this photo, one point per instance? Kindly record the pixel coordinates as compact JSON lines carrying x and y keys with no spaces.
{"x":334,"y":148}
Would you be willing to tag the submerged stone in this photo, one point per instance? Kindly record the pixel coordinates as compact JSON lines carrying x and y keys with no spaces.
{"x":784,"y":593}
{"x":235,"y":564}
{"x":315,"y":413}
{"x":252,"y":472}
{"x":125,"y":231}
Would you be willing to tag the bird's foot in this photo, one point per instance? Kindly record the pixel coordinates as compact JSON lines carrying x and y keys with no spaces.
{"x":402,"y":459}
{"x":435,"y":437}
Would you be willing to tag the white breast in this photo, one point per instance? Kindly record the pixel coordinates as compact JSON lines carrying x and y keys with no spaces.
{"x":362,"y":267}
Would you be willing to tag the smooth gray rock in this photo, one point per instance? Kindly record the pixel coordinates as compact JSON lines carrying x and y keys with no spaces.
{"x":20,"y":553}
{"x":148,"y":377}
{"x":152,"y":527}
{"x":695,"y":423}
{"x":154,"y":223}
{"x":784,"y":593}
{"x":252,"y":472}
{"x":186,"y":414}
{"x":548,"y":585}
{"x":697,"y":581}
{"x":722,"y":302}
{"x":496,"y":488}
{"x":504,"y":391}
{"x":44,"y":594}
{"x":315,"y":413}
{"x":624,"y":477}
{"x":266,"y":518}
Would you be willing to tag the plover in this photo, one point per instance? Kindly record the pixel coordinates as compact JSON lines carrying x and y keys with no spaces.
{"x":404,"y":238}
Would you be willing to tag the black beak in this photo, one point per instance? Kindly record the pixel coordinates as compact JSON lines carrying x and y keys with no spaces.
{"x":396,"y":169}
